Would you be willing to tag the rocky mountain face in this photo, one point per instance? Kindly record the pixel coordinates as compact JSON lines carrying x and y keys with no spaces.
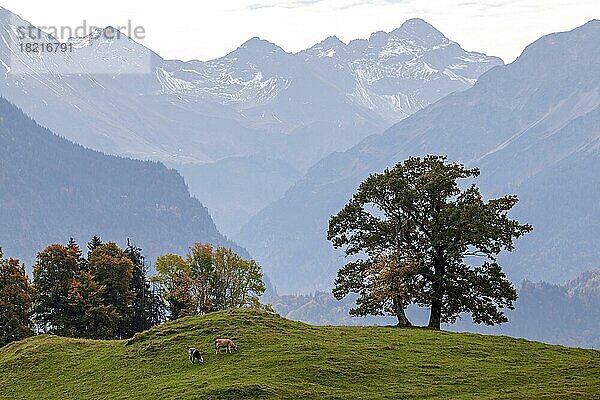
{"x":52,"y":189}
{"x":112,"y":94}
{"x":533,"y":127}
{"x":386,"y":72}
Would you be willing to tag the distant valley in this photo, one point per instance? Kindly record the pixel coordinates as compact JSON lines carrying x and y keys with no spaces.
{"x":572,"y":320}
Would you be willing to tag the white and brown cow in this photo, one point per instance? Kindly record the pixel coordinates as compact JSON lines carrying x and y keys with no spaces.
{"x":194,"y":354}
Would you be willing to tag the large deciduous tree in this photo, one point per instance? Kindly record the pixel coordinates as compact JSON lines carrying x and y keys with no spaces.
{"x":417,"y":237}
{"x":16,"y":297}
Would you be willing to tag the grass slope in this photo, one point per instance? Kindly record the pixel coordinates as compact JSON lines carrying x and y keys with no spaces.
{"x":278,"y":358}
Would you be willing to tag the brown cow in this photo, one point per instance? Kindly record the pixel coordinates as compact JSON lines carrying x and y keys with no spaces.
{"x":228,"y":344}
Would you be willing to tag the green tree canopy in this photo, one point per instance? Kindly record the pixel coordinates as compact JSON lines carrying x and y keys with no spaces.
{"x":416,"y":237}
{"x":174,"y":275}
{"x":237,"y":282}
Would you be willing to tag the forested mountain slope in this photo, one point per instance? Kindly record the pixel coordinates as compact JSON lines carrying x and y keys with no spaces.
{"x":52,"y":189}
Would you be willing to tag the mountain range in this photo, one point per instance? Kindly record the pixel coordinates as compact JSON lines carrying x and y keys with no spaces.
{"x":219,"y":122}
{"x":532,"y":127}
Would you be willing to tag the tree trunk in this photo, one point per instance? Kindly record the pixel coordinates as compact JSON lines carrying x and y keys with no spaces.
{"x":399,"y":310}
{"x":436,"y":314}
{"x":437,"y":293}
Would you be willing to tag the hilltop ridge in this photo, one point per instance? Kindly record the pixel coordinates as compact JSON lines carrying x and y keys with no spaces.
{"x":279,"y":358}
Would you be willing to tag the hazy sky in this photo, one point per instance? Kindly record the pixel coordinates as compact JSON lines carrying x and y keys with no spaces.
{"x":205,"y":29}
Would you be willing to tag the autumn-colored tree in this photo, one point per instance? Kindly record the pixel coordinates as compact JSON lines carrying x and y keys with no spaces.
{"x":92,"y":318}
{"x":16,"y":298}
{"x":174,"y":275}
{"x":55,"y":268}
{"x":113,"y":270}
{"x":202,"y":277}
{"x":209,"y":280}
{"x":385,"y":284}
{"x":236,"y":282}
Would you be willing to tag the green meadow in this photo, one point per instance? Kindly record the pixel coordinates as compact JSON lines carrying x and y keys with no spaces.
{"x":283,"y":359}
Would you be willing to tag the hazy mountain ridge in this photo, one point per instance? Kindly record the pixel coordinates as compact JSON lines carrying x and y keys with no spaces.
{"x":256,"y":74}
{"x":572,"y":320}
{"x":52,"y":189}
{"x":385,"y":72}
{"x":532,"y":127}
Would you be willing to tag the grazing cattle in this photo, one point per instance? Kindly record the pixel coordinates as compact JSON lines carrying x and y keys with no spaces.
{"x":227,"y":344}
{"x":194,"y":354}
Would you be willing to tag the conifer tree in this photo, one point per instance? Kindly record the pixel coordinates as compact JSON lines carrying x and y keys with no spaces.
{"x":112,"y":269}
{"x":92,"y":244}
{"x":144,"y":311}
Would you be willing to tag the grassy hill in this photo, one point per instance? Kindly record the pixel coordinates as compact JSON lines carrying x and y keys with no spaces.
{"x":278,"y":358}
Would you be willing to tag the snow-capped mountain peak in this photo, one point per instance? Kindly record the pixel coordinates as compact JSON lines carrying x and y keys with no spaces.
{"x":257,"y":47}
{"x":421,"y":32}
{"x":391,"y":73}
{"x":330,"y":47}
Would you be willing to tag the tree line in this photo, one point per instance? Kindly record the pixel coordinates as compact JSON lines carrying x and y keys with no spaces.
{"x":414,"y":234}
{"x":108,"y":293}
